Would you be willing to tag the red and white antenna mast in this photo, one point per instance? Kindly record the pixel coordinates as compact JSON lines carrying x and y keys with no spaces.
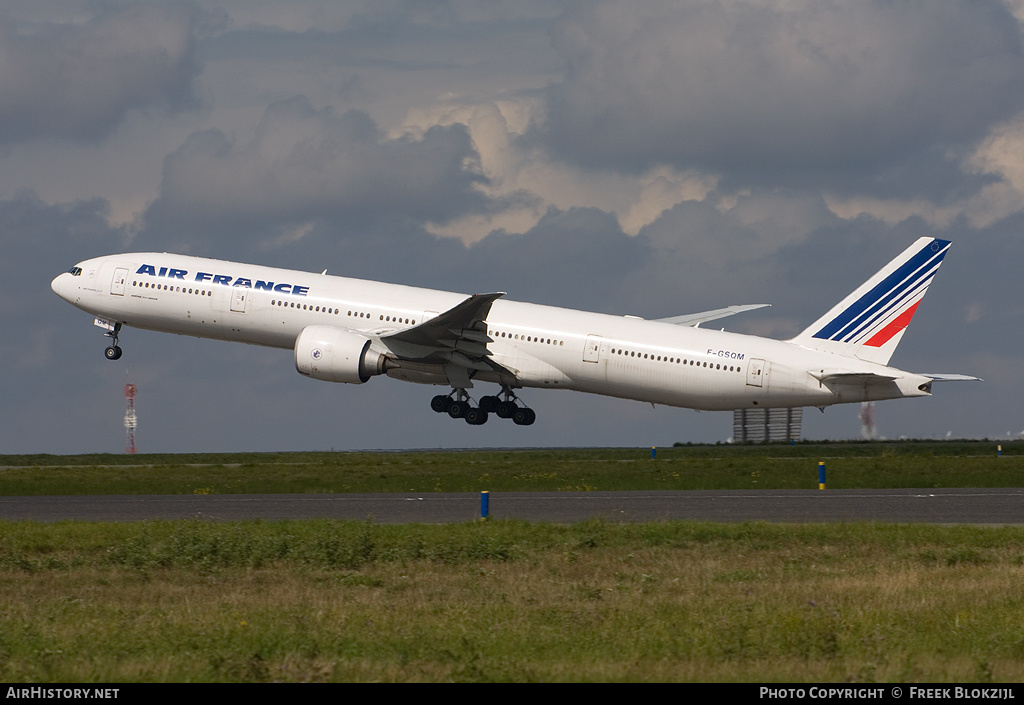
{"x":130,"y":422}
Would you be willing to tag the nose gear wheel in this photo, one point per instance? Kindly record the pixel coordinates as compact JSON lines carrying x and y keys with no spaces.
{"x":113,"y":351}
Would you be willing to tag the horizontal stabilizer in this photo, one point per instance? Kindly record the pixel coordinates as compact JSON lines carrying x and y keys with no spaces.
{"x":951,"y":378}
{"x":695,"y":319}
{"x":840,"y":377}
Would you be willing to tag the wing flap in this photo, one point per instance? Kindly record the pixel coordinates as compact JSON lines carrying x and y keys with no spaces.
{"x":473,"y":335}
{"x":465,"y":320}
{"x":455,"y":339}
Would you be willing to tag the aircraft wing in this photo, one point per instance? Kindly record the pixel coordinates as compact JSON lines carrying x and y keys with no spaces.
{"x":457,"y":337}
{"x":951,"y":378}
{"x":695,"y":319}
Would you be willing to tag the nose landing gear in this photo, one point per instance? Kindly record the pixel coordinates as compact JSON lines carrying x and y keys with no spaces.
{"x":113,"y":351}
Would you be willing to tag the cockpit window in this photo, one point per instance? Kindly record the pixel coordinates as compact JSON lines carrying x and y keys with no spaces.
{"x":75,"y":271}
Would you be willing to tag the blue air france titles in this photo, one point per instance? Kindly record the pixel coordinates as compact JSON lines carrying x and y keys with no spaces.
{"x":223,"y":279}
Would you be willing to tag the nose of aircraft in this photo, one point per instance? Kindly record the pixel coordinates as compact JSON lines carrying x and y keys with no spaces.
{"x":55,"y":284}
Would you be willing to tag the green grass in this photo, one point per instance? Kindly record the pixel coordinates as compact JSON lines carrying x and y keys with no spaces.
{"x":512,"y":601}
{"x":857,"y":465}
{"x":509,"y":601}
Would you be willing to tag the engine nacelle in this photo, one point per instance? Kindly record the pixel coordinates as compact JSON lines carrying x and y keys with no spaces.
{"x":336,"y":355}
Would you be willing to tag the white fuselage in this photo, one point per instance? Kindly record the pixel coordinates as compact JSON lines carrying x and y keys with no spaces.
{"x":546,"y":346}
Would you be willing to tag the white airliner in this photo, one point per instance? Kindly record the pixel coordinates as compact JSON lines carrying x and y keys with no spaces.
{"x":349,"y":330}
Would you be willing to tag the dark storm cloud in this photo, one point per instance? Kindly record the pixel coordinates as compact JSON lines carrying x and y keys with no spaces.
{"x":79,"y":80}
{"x":706,"y":257}
{"x":847,"y":98}
{"x":40,"y":241}
{"x":38,"y":238}
{"x":43,"y":376}
{"x":574,"y":258}
{"x":787,"y":94}
{"x":303,"y":165}
{"x":968,"y":322}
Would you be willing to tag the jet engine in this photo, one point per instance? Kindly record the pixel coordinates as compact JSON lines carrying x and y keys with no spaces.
{"x":336,"y":355}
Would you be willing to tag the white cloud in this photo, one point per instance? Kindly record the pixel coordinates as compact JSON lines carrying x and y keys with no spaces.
{"x":530,"y":182}
{"x":999,"y":155}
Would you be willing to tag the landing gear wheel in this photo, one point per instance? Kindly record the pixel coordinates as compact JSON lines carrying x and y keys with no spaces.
{"x":506,"y":409}
{"x":459,"y":405}
{"x":475,"y":416}
{"x":458,"y":409}
{"x":524,"y":417}
{"x":113,"y":352}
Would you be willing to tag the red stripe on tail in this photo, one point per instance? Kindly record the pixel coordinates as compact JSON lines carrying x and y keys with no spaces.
{"x":899,"y":323}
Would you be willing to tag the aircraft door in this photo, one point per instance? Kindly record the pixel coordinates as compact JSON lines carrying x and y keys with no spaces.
{"x":592,"y":351}
{"x":118,"y":282}
{"x":238,"y":299}
{"x":757,"y":371}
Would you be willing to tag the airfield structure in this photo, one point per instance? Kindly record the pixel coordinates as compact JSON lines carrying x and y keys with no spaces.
{"x":130,"y":422}
{"x":763,"y":425}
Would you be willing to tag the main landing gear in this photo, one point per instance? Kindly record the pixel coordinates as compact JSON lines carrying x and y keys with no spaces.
{"x":458,"y":406}
{"x":113,"y":352}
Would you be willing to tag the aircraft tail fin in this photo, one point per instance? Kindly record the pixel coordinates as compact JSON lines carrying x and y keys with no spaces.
{"x":869,"y":323}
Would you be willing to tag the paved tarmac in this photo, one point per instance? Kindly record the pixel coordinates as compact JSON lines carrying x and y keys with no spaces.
{"x":935,"y":506}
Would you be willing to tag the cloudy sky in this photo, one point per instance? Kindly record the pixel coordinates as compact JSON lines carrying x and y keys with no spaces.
{"x":646,"y":158}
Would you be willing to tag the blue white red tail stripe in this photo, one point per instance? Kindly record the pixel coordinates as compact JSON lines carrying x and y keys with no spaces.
{"x":910,"y":290}
{"x":888,"y":306}
{"x":869,"y":323}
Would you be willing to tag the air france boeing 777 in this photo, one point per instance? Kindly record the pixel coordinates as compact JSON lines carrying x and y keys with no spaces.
{"x":349,"y":330}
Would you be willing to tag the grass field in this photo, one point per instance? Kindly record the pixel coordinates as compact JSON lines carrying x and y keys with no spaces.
{"x":856,"y":465}
{"x":512,"y":601}
{"x":509,"y":601}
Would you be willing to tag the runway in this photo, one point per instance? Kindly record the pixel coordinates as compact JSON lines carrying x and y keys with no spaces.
{"x":934,"y":506}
